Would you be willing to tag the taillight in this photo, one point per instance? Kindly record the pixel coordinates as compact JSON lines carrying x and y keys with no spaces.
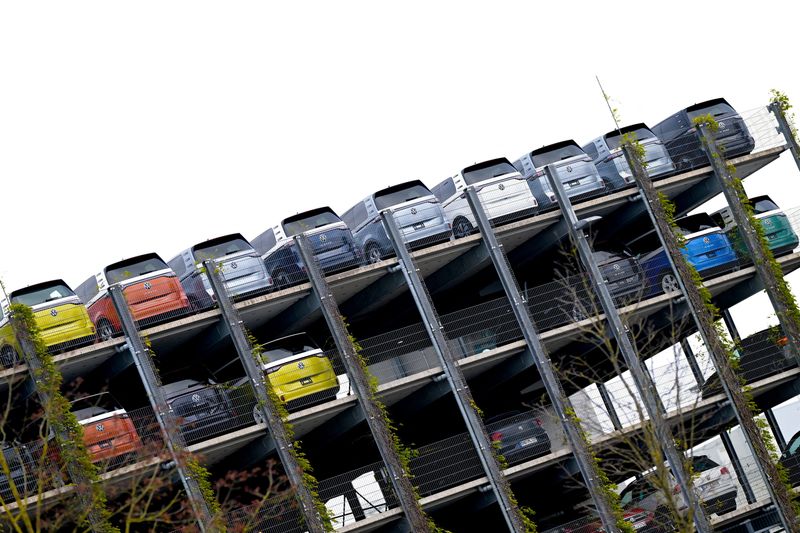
{"x":538,"y":422}
{"x":613,"y":155}
{"x":724,"y":471}
{"x":272,"y":369}
{"x":783,"y":341}
{"x":497,"y":436}
{"x":676,"y":489}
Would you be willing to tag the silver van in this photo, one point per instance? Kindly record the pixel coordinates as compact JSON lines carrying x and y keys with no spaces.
{"x":333,"y":244}
{"x":241,"y":268}
{"x":502,"y":190}
{"x":416,"y":210}
{"x":575,"y":170}
{"x":606,"y":152}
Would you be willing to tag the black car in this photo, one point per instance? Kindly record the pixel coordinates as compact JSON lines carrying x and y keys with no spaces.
{"x":682,"y":138}
{"x":205,"y":410}
{"x":520,"y":436}
{"x":791,"y":459}
{"x":762,"y":354}
{"x":21,"y":469}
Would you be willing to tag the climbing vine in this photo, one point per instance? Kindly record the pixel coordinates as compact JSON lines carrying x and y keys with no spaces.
{"x":780,"y":98}
{"x":58,"y":414}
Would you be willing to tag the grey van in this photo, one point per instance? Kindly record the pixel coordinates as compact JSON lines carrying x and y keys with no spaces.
{"x":331,"y":239}
{"x":606,"y":153}
{"x":682,"y":139}
{"x":418,"y":214}
{"x":242,"y":269}
{"x":575,"y":170}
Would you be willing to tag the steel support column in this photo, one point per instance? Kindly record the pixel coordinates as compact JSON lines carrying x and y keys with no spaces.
{"x":644,"y":385}
{"x":786,"y":130}
{"x":264,"y":406}
{"x":744,"y":481}
{"x":455,"y":377}
{"x":165,"y":417}
{"x":692,"y":360}
{"x":769,"y":414}
{"x":609,"y":405}
{"x":38,"y":374}
{"x":704,"y":322}
{"x":541,"y":359}
{"x":359,"y":381}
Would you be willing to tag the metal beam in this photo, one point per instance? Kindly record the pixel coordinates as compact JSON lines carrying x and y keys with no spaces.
{"x":644,"y":385}
{"x":360,"y":380}
{"x":692,"y":360}
{"x":737,"y":467}
{"x":458,"y":383}
{"x":166,"y":418}
{"x":786,"y":130}
{"x":541,"y":358}
{"x":267,"y":410}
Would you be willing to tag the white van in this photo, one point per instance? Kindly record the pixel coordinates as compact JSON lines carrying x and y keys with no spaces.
{"x":502,"y":190}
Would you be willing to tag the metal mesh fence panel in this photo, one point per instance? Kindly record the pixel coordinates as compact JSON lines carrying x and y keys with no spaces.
{"x":358,"y":494}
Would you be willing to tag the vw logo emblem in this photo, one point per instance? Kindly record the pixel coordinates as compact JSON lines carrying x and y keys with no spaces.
{"x":721,"y":124}
{"x":323,"y":238}
{"x":569,"y":168}
{"x":413,"y":210}
{"x":766,"y":221}
{"x":196,"y":398}
{"x":100,"y":427}
{"x":301,"y":365}
{"x":616,"y":267}
{"x":501,"y":186}
{"x":53,"y":312}
{"x":234,"y":265}
{"x":147,"y":285}
{"x":706,"y":240}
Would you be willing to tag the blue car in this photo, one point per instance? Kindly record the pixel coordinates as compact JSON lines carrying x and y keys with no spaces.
{"x":707,"y":249}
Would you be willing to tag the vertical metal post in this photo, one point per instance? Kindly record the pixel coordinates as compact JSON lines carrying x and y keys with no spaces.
{"x":264,"y":405}
{"x":541,"y":359}
{"x":37,"y":372}
{"x":455,"y":378}
{"x":731,"y":325}
{"x":692,"y":360}
{"x":786,"y":130}
{"x":703,"y":319}
{"x":769,"y":414}
{"x":761,"y":256}
{"x":163,"y":411}
{"x":641,"y":379}
{"x":744,"y":481}
{"x":359,"y":381}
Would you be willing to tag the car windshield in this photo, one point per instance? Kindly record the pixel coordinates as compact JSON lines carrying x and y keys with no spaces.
{"x":39,"y":295}
{"x":138,"y":266}
{"x":613,"y":139}
{"x":295,"y":226}
{"x":553,"y":156}
{"x":762,"y":205}
{"x":287,"y":347}
{"x":398,"y":195}
{"x":476,"y":175}
{"x":216,"y":248}
{"x":701,"y":463}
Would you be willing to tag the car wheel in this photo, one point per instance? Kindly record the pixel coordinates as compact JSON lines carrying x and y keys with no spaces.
{"x":461,"y":228}
{"x":104,"y":329}
{"x":8,"y":356}
{"x":281,"y":279}
{"x":258,"y":416}
{"x":669,"y":283}
{"x":373,"y":253}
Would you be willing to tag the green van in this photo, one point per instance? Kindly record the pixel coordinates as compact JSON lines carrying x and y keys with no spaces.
{"x":777,"y":227}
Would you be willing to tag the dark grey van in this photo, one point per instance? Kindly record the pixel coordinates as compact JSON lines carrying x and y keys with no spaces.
{"x":242,"y":269}
{"x":683,"y":142}
{"x":606,"y":152}
{"x":416,"y":210}
{"x":575,"y":170}
{"x":331,"y":239}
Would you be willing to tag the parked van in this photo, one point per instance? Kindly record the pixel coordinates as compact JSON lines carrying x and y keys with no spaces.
{"x":150,"y":286}
{"x":241,"y":268}
{"x":108,"y":435}
{"x":777,"y":229}
{"x":682,"y":139}
{"x":418,"y":214}
{"x":60,"y":315}
{"x":330,"y":238}
{"x":501,"y":189}
{"x":575,"y":170}
{"x":707,"y":249}
{"x":606,"y":152}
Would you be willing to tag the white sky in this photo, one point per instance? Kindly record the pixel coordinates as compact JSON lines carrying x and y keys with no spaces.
{"x":148,"y":126}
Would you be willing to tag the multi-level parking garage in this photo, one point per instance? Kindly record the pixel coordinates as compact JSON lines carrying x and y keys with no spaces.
{"x":481,"y":332}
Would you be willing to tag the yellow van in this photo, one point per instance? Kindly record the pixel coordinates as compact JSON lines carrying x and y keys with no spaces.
{"x":63,"y":321}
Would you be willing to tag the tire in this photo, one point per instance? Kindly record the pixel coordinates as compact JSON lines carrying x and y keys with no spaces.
{"x":461,"y":227}
{"x":281,"y":279}
{"x":104,"y":330}
{"x":8,"y":356}
{"x":373,"y":253}
{"x":668,"y":282}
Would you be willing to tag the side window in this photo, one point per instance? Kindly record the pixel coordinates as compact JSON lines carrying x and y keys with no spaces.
{"x":591,"y":149}
{"x":177,"y":265}
{"x":87,"y":290}
{"x":444,"y":190}
{"x":264,"y":242}
{"x":355,"y":215}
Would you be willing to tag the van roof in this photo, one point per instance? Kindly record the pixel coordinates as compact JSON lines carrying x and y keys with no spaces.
{"x":132,"y":260}
{"x":486,"y":164}
{"x":555,"y":146}
{"x":399,"y":187}
{"x":309,"y":213}
{"x":628,"y":129}
{"x":37,"y":286}
{"x":220,"y":240}
{"x":707,"y":103}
